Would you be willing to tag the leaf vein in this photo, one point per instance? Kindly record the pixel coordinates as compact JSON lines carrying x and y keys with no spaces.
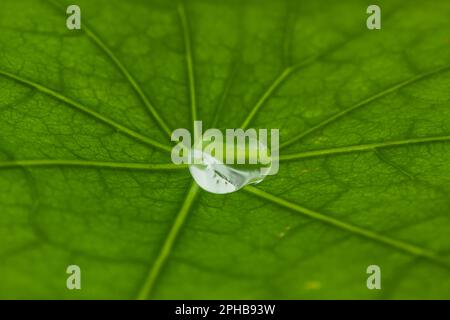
{"x":126,"y":73}
{"x":362,"y":148}
{"x":86,"y":110}
{"x":362,"y":103}
{"x":160,"y":261}
{"x":90,"y":164}
{"x":189,"y":60}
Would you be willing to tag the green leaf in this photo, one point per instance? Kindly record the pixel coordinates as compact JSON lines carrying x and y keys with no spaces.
{"x":85,"y":170}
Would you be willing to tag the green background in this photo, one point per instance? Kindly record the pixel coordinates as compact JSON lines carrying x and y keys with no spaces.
{"x":369,"y":181}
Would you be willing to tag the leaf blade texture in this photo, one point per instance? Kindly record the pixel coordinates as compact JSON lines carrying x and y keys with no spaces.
{"x":85,"y":171}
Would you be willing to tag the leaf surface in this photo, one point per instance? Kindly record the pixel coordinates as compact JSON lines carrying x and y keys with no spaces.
{"x":85,"y":170}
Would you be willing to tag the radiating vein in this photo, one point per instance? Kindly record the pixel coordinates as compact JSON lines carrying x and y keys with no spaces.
{"x":368,"y":234}
{"x":308,"y":61}
{"x":162,"y":124}
{"x":362,"y":103}
{"x":90,"y":164}
{"x":189,"y":60}
{"x":362,"y":147}
{"x":273,"y":86}
{"x":134,"y":84}
{"x":86,"y":110}
{"x":392,"y":164}
{"x":154,"y":272}
{"x":266,"y":95}
{"x":224,"y":95}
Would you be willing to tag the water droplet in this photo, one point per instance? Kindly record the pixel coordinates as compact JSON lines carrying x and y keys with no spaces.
{"x":214,"y":175}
